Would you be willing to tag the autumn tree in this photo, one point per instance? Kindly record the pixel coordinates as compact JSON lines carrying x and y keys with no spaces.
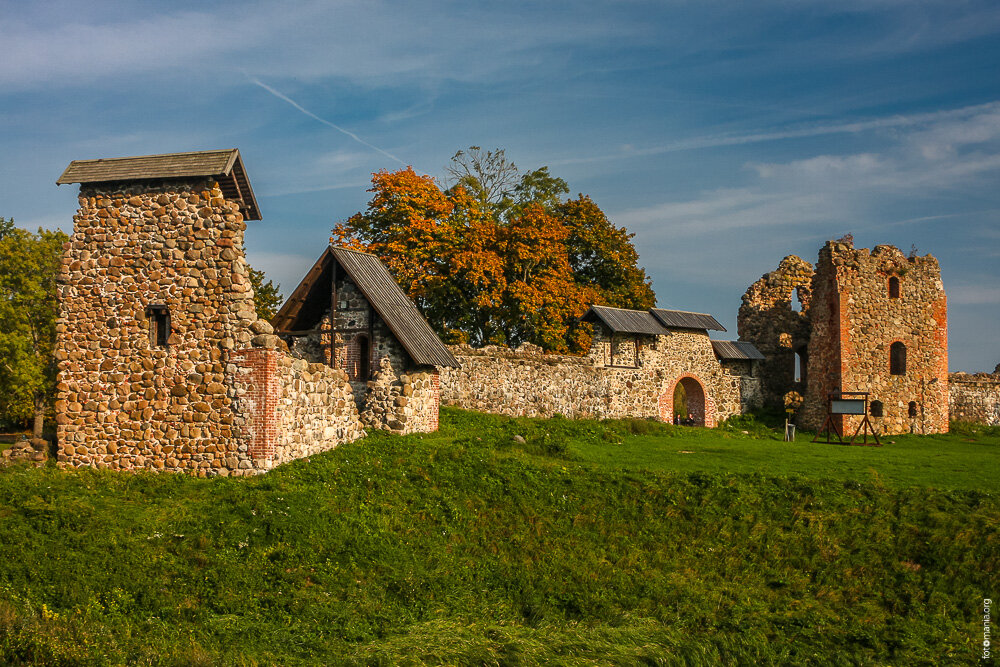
{"x":29,"y":264}
{"x":499,"y":257}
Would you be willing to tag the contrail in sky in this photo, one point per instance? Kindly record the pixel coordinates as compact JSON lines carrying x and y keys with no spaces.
{"x":298,"y":106}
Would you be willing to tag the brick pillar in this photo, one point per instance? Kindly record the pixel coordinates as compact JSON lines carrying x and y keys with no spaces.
{"x":260,"y":403}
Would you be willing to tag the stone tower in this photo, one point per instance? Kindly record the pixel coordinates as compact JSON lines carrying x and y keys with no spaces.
{"x":879,"y":325}
{"x":163,"y":363}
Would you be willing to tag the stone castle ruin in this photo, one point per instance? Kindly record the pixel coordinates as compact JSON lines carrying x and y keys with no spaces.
{"x":636,"y":362}
{"x":871,"y":321}
{"x":163,"y":363}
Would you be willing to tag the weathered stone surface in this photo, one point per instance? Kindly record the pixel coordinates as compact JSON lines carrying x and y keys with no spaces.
{"x":856,"y":306}
{"x":975,"y":398}
{"x":640,"y":383}
{"x":126,"y":400}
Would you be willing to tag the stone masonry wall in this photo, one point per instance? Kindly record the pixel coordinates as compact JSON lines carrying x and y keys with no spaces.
{"x":768,"y":320}
{"x":855,"y":320}
{"x":975,"y":398}
{"x":406,"y":403}
{"x":525,"y":382}
{"x":208,"y":401}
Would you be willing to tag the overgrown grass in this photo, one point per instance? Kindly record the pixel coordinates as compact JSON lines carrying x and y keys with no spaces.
{"x":467,"y":547}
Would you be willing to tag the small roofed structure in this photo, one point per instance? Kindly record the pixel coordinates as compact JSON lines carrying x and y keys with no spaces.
{"x":332,"y":281}
{"x":736,"y":350}
{"x":681,"y":319}
{"x":225,"y":166}
{"x":625,"y":321}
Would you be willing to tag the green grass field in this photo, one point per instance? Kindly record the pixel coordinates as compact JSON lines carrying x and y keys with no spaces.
{"x":588,"y":543}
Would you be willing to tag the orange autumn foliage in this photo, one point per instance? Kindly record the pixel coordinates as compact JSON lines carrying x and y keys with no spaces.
{"x":478,"y":276}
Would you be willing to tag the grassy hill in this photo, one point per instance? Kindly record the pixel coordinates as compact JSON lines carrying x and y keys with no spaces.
{"x":588,"y":543}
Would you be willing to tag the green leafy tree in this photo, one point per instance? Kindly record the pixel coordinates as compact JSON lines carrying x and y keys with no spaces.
{"x":500,"y":256}
{"x":267,"y":296}
{"x":29,"y":264}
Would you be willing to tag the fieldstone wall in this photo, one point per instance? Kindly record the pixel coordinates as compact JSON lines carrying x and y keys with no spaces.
{"x":975,"y":398}
{"x":526,"y":382}
{"x":768,"y":319}
{"x":210,"y":399}
{"x":856,"y":318}
{"x":407,"y":403}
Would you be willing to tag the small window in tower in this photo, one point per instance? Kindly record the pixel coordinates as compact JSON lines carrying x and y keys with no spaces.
{"x":159,"y":325}
{"x":897,"y":359}
{"x":912,"y":409}
{"x":364,"y":353}
{"x":875,"y":409}
{"x":894,"y":287}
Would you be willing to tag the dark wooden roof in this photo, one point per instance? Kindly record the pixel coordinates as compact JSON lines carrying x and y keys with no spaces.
{"x":679,"y":319}
{"x":622,"y":320}
{"x":736,"y":349}
{"x":226,"y":166}
{"x":312,"y":298}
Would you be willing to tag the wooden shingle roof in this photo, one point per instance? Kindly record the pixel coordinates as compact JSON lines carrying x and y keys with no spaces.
{"x":225,"y":165}
{"x":680,"y":319}
{"x":623,"y":320}
{"x":736,"y":350}
{"x":312,"y":297}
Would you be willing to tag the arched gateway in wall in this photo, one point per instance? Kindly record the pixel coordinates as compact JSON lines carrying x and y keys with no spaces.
{"x":699,"y":403}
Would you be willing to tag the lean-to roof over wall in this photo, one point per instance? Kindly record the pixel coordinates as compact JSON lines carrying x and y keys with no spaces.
{"x":679,"y":319}
{"x":224,"y":165}
{"x":312,"y":298}
{"x":623,"y":320}
{"x":736,"y":350}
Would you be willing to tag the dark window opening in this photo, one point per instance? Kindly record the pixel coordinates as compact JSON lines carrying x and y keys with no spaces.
{"x":159,"y":326}
{"x":897,"y":359}
{"x":875,"y":410}
{"x":894,"y":287}
{"x":912,"y":409}
{"x":364,"y":356}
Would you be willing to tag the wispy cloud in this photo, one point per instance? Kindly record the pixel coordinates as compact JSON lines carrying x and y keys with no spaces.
{"x":282,"y":96}
{"x":987,"y":113}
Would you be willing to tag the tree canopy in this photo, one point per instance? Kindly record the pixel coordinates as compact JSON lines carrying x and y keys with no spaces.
{"x":29,"y":264}
{"x":499,"y":257}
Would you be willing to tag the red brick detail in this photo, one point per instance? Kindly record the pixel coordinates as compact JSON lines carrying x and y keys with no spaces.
{"x":260,"y":400}
{"x":433,"y":417}
{"x":700,"y":402}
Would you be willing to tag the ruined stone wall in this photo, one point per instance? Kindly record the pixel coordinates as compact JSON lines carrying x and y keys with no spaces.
{"x":526,"y":382}
{"x":855,"y":320}
{"x":975,"y":398}
{"x":208,"y":399}
{"x":405,"y":403}
{"x":768,"y":319}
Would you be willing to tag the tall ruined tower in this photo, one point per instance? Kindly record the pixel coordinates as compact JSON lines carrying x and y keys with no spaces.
{"x":879,"y":325}
{"x":770,"y":320}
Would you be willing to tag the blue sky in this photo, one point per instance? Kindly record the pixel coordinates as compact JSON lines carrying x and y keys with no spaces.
{"x":725,"y":135}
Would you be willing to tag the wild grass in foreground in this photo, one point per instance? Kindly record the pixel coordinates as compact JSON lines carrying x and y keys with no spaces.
{"x":468,"y":547}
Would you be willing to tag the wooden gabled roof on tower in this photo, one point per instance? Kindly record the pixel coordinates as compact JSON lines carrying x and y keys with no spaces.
{"x":226,"y":166}
{"x":312,"y":298}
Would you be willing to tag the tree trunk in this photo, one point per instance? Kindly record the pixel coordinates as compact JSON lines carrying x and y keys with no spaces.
{"x":36,"y":431}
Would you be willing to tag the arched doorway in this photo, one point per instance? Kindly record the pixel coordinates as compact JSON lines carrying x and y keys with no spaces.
{"x":687,"y":397}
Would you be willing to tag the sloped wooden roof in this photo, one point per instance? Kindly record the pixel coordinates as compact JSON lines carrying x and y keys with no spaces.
{"x":312,"y":298}
{"x":736,"y":349}
{"x":623,"y":320}
{"x":225,"y":165}
{"x":680,"y":319}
